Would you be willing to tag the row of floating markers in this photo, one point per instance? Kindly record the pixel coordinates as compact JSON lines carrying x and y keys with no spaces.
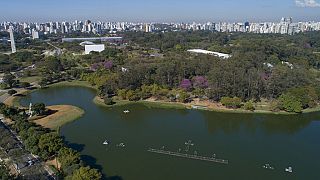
{"x":268,"y":166}
{"x":195,"y":155}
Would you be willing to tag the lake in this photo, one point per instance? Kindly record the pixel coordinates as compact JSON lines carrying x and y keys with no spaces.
{"x":247,"y":141}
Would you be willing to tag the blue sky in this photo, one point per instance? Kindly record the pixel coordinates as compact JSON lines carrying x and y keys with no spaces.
{"x":159,"y":10}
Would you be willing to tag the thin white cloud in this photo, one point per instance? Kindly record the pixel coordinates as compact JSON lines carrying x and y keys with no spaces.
{"x":307,"y":3}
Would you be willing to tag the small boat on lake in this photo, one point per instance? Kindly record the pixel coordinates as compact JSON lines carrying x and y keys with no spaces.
{"x":106,"y":142}
{"x":126,"y":111}
{"x":268,"y":166}
{"x":121,"y":145}
{"x":289,"y":169}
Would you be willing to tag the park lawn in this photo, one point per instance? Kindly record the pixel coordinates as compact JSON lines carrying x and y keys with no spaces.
{"x":264,"y":105}
{"x":30,"y":79}
{"x":310,"y":110}
{"x":157,"y":104}
{"x":62,"y":115}
{"x":73,"y":83}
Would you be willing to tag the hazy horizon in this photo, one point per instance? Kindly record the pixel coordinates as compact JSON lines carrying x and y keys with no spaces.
{"x":164,"y":11}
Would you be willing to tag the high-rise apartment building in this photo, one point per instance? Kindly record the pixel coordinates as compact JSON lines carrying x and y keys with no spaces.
{"x":13,"y":44}
{"x":35,"y":34}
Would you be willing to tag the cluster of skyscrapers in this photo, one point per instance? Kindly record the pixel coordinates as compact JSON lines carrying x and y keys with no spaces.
{"x":76,"y":26}
{"x":285,"y":26}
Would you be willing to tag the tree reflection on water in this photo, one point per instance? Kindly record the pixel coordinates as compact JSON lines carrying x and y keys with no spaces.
{"x":231,"y":122}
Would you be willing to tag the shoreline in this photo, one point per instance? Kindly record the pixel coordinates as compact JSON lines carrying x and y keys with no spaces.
{"x":161,"y":104}
{"x":169,"y":105}
{"x":177,"y":105}
{"x":63,"y":114}
{"x":15,"y":99}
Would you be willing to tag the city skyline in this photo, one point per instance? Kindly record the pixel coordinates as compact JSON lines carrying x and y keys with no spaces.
{"x":164,"y":11}
{"x":285,"y":26}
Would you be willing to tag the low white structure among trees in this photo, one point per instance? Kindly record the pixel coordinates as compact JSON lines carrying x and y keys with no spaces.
{"x":94,"y":48}
{"x":201,"y":51}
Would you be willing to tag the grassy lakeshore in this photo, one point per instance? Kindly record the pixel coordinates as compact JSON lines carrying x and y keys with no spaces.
{"x":15,"y":99}
{"x":177,"y":105}
{"x":73,"y":83}
{"x":311,"y":110}
{"x":261,"y":108}
{"x":61,"y":115}
{"x":161,"y":104}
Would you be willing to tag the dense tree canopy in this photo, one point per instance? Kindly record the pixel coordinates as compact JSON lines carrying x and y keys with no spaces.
{"x":4,"y":172}
{"x":39,"y":108}
{"x":50,"y":144}
{"x":85,"y":173}
{"x":261,"y":66}
{"x":47,"y":144}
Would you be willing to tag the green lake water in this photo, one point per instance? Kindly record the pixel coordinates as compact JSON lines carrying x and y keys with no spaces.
{"x":247,"y":141}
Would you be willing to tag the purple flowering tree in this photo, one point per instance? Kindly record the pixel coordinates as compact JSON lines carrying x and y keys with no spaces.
{"x":186,"y":84}
{"x":200,"y":82}
{"x":95,"y":66}
{"x":108,"y":64}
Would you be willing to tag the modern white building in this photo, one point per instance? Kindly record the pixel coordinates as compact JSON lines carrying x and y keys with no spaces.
{"x":201,"y":51}
{"x":94,"y":48}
